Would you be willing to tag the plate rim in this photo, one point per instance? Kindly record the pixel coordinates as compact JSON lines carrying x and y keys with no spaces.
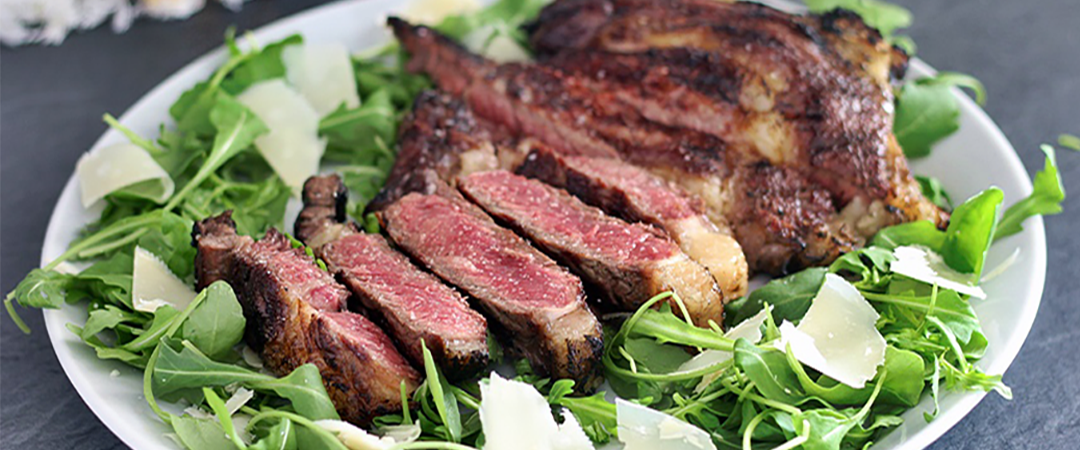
{"x":1034,"y":230}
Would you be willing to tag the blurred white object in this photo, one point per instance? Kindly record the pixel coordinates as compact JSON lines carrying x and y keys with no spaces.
{"x":50,"y":21}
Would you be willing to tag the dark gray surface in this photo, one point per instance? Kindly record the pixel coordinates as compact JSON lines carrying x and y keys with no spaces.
{"x":52,"y":98}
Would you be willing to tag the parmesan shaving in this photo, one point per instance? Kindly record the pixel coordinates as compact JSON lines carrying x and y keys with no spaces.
{"x":154,"y":285}
{"x":749,"y":329}
{"x":355,"y":438}
{"x":925,"y":265}
{"x":513,"y":413}
{"x":431,"y":12}
{"x":495,"y":44}
{"x":123,"y":166}
{"x":323,"y":74}
{"x":837,"y":336}
{"x":292,"y":146}
{"x":643,"y":428}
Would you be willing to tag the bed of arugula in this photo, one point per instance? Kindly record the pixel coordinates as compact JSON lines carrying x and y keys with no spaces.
{"x":761,"y":398}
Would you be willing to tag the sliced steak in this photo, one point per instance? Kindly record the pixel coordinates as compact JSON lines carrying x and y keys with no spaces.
{"x":628,"y":263}
{"x":537,"y":305}
{"x":294,"y":317}
{"x":581,"y":116}
{"x":411,"y":304}
{"x":635,"y":195}
{"x":439,"y":140}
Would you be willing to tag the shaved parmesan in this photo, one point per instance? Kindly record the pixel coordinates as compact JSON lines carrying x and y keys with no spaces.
{"x":495,"y":44}
{"x":402,"y":433}
{"x":923,"y":264}
{"x":837,"y":336}
{"x":355,"y":438}
{"x":431,"y":12}
{"x":643,"y":428}
{"x":126,"y":166}
{"x":515,"y":416}
{"x":749,"y":329}
{"x":292,"y":147}
{"x":154,"y":285}
{"x":238,"y":400}
{"x":323,"y":74}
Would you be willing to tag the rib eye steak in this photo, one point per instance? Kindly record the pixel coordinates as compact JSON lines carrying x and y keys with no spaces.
{"x":840,"y":181}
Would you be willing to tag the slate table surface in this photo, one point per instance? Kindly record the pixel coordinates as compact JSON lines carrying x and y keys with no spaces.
{"x":1027,"y":54}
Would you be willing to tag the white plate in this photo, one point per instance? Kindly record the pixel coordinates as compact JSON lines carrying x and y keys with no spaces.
{"x":974,"y":158}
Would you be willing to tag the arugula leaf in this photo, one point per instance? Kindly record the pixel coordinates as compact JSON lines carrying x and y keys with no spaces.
{"x":361,"y":135}
{"x":920,"y":232}
{"x":106,"y":318}
{"x":885,"y":17}
{"x":903,"y":387}
{"x":1044,"y":200}
{"x":1069,"y":141}
{"x":259,"y":65}
{"x":237,"y":128}
{"x":933,"y":191}
{"x":971,"y":231}
{"x":927,"y":112}
{"x":828,"y":427}
{"x":442,"y":395}
{"x":40,"y":289}
{"x":201,"y":433}
{"x":595,"y":414}
{"x":170,"y":240}
{"x":188,"y":368}
{"x":789,"y":297}
{"x":216,"y":325}
{"x":281,"y":436}
{"x":769,"y":371}
{"x":653,"y":356}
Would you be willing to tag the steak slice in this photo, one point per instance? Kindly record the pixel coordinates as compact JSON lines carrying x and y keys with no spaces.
{"x":538,"y":306}
{"x":635,"y":195}
{"x":439,"y":140}
{"x":628,"y":263}
{"x":294,"y":317}
{"x":411,"y":304}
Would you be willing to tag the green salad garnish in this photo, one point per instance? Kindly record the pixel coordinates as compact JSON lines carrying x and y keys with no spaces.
{"x":755,"y":394}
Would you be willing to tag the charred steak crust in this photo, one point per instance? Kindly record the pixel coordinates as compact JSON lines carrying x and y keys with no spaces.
{"x":294,"y":317}
{"x":536,"y":304}
{"x":804,"y":100}
{"x":628,"y":263}
{"x":818,"y":85}
{"x":325,"y":199}
{"x":412,"y":305}
{"x":438,"y":140}
{"x":577,"y":117}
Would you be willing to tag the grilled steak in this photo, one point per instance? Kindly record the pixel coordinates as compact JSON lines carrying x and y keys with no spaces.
{"x":808,"y":92}
{"x":791,"y":218}
{"x":294,"y":317}
{"x":635,"y":195}
{"x":538,"y":305}
{"x":576,"y":116}
{"x":411,"y":304}
{"x":627,"y":263}
{"x":439,"y":140}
